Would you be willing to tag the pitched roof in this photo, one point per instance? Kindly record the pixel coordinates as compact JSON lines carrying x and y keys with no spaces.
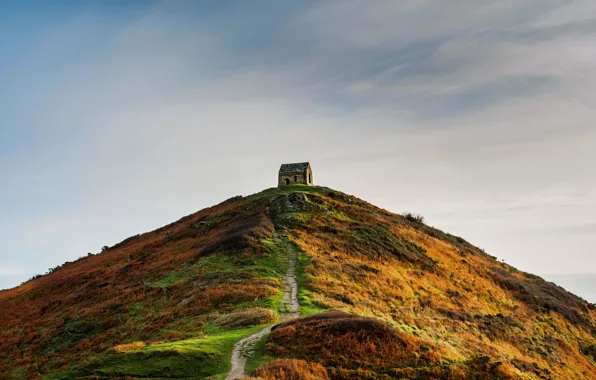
{"x":299,"y":167}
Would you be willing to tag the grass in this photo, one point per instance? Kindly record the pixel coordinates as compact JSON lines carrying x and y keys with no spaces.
{"x":72,"y":332}
{"x":198,"y":357}
{"x":195,"y":358}
{"x":301,"y":216}
{"x":265,"y":266}
{"x":135,"y":309}
{"x":451,"y":300}
{"x":206,"y":356}
{"x":307,"y":305}
{"x":260,"y":357}
{"x":176,"y":275}
{"x":274,"y":191}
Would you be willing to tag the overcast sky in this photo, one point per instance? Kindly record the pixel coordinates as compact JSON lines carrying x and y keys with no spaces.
{"x":119,"y":117}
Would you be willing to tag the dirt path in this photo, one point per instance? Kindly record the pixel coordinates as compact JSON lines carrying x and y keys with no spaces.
{"x":245,"y":348}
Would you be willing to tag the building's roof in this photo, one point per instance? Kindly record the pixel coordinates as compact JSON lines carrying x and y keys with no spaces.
{"x":299,"y":167}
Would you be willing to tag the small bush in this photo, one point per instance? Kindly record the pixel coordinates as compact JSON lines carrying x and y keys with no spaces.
{"x":416,"y":218}
{"x":344,"y":298}
{"x":35,"y":277}
{"x":248,"y":317}
{"x":589,"y":350}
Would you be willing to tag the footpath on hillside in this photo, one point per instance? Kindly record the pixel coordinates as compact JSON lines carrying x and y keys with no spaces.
{"x":245,"y":348}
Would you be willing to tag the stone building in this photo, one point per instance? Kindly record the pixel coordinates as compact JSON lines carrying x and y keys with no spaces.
{"x":299,"y":173}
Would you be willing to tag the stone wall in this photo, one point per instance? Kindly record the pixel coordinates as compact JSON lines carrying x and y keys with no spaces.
{"x":296,"y":178}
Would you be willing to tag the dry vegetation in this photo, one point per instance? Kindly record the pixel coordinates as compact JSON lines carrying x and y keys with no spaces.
{"x":351,"y":346}
{"x":289,"y":369}
{"x":129,"y":346}
{"x":411,"y":301}
{"x":162,"y":286}
{"x":248,"y":317}
{"x":467,"y":308}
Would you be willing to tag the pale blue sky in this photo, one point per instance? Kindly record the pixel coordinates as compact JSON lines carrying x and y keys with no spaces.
{"x":119,"y":117}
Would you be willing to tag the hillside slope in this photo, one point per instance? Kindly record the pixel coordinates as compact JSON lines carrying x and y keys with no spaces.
{"x":381,"y":296}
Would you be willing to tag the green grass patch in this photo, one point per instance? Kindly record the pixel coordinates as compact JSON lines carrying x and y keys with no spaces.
{"x":72,"y":332}
{"x":176,"y":275}
{"x":301,"y":216}
{"x":135,"y":310}
{"x":338,"y":215}
{"x":307,"y":305}
{"x":259,"y":358}
{"x":260,"y":265}
{"x":275,"y":263}
{"x":275,"y":191}
{"x":195,"y":358}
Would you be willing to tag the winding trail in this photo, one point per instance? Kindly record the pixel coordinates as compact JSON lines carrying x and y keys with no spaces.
{"x":245,"y":348}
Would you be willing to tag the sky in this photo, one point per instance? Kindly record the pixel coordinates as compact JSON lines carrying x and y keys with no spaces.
{"x":118,"y":117}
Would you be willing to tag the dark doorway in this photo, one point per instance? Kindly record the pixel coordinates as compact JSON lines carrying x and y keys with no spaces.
{"x":309,"y":179}
{"x":295,"y":178}
{"x":287,"y":181}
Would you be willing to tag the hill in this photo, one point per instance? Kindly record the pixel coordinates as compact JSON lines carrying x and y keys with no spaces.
{"x":380,"y":296}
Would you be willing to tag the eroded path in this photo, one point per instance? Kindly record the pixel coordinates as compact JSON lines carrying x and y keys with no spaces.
{"x":245,"y":348}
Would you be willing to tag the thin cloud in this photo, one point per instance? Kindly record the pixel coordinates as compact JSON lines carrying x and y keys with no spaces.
{"x":478,"y":115}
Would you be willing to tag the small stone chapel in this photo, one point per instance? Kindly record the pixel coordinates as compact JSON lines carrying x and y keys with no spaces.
{"x":298,"y":173}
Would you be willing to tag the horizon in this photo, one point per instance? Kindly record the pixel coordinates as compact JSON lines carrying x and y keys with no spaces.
{"x":584,"y":288}
{"x":121,"y":117}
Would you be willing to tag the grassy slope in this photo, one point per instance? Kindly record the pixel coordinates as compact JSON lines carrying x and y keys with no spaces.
{"x":167,"y":288}
{"x":194,"y":358}
{"x":441,"y":289}
{"x":453,"y":302}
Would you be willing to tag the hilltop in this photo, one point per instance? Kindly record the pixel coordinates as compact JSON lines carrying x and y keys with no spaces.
{"x":380,"y":295}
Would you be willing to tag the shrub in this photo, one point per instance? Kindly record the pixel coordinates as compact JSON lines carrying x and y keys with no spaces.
{"x":248,"y":317}
{"x":129,"y":346}
{"x":35,"y":277}
{"x":291,"y":369}
{"x":416,"y":218}
{"x":589,"y":350}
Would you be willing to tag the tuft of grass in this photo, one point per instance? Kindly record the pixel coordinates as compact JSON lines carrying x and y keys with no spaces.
{"x":248,"y":317}
{"x":416,"y":218}
{"x":129,"y":346}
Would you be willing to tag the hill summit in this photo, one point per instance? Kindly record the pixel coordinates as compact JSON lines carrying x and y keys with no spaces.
{"x":296,"y":282}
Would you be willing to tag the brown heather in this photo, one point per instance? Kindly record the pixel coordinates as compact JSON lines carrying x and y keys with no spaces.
{"x":407,"y":300}
{"x":289,"y":369}
{"x":248,"y":317}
